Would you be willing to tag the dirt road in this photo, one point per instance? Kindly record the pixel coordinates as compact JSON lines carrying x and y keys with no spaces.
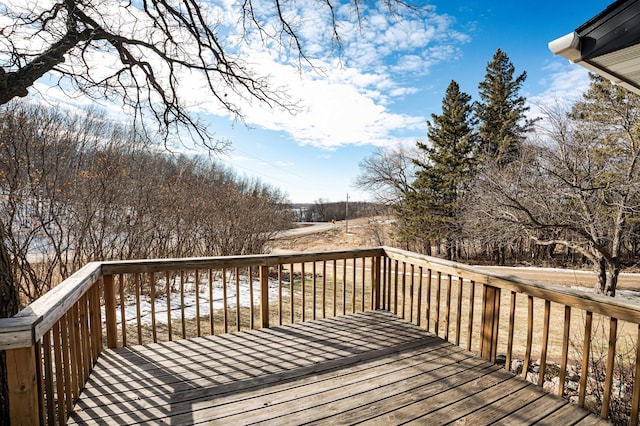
{"x":566,"y":277}
{"x":327,"y":236}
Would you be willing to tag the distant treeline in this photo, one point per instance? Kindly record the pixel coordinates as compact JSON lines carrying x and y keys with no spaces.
{"x":325,"y":211}
{"x":76,"y":188}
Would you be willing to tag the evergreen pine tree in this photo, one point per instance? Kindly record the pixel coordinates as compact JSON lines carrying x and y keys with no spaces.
{"x":443,"y":179}
{"x":501,"y":111}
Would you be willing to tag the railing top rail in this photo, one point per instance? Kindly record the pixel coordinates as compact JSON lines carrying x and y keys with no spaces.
{"x":596,"y":303}
{"x":218,"y":262}
{"x":37,"y":318}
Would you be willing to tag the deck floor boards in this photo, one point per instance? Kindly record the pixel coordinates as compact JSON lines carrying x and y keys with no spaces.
{"x":372,"y":368}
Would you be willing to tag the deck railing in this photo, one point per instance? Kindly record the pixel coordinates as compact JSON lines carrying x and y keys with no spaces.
{"x":590,"y":342}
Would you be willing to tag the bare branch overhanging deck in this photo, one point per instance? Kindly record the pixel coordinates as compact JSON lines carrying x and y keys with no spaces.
{"x":370,"y":367}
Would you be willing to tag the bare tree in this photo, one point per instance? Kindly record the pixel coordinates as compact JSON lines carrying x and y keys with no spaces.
{"x":388,"y":173}
{"x":577,"y":186}
{"x":151,"y":48}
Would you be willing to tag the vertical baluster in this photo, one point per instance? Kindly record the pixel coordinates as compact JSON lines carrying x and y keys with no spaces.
{"x":344,"y":286}
{"x":428,"y":313}
{"x":303,"y":289}
{"x":77,"y":347}
{"x":152,"y":285}
{"x":73,"y":354}
{"x":411,"y":289}
{"x":196,"y":284}
{"x":315,"y":297}
{"x":279,"y":294}
{"x":611,"y":356}
{"x":395,"y":288}
{"x":586,"y":347}
{"x":404,"y":289}
{"x":138,"y":284}
{"x":389,"y":268}
{"x":123,"y":316}
{"x":66,"y":360}
{"x":448,"y":307}
{"x":472,"y":295}
{"x":419,"y":306}
{"x":324,"y":289}
{"x":182,"y":317}
{"x":40,"y":408}
{"x":60,"y":380}
{"x":527,"y":356}
{"x":110,"y":311}
{"x":545,"y":342}
{"x":251,"y":302}
{"x":438,"y":295}
{"x":291,"y":287}
{"x":96,"y":322}
{"x":237,"y":270}
{"x":353,"y":288}
{"x":49,"y":397}
{"x":335,"y":287}
{"x":364,"y":263}
{"x":168,"y":290}
{"x":565,"y":351}
{"x":459,"y":311}
{"x":84,"y":328}
{"x":512,"y":320}
{"x":225,"y":316}
{"x":211,"y":325}
{"x":376,"y":268}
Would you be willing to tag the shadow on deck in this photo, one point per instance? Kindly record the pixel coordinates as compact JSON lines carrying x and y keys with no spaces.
{"x":368,"y":367}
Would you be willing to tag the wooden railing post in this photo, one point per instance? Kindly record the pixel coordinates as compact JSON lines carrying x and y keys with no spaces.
{"x":490,"y":317}
{"x":375,"y":286}
{"x":264,"y":296}
{"x":22,"y":383}
{"x":110,"y":311}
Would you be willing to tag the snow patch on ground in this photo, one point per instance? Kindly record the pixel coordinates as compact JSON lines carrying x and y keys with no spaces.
{"x":217,"y":301}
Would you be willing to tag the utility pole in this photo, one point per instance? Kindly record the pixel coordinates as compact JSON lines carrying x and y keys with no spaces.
{"x":346,"y":215}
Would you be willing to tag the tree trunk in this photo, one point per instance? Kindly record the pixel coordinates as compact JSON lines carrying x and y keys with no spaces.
{"x":427,"y":248}
{"x":608,"y":274}
{"x":601,"y":271}
{"x":8,"y":308}
{"x":612,"y":280}
{"x":448,"y":249}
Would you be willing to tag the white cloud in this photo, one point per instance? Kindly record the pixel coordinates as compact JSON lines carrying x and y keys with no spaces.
{"x":341,"y":101}
{"x":346,"y":100}
{"x":565,"y":84}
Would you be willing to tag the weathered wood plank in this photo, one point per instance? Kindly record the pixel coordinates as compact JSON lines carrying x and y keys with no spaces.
{"x":306,"y":342}
{"x":312,"y":383}
{"x":533,"y":412}
{"x":368,"y":367}
{"x":487,"y":412}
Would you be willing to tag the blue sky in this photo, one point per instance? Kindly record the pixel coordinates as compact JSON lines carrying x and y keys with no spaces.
{"x":391,"y":76}
{"x":466,"y":36}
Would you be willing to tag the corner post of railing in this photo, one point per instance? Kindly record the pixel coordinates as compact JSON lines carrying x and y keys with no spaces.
{"x":21,"y":361}
{"x":490,"y":318}
{"x":110,"y":310}
{"x":375,"y":288}
{"x":264,"y":296}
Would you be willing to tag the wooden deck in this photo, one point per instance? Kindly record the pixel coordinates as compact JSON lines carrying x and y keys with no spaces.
{"x":370,"y":367}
